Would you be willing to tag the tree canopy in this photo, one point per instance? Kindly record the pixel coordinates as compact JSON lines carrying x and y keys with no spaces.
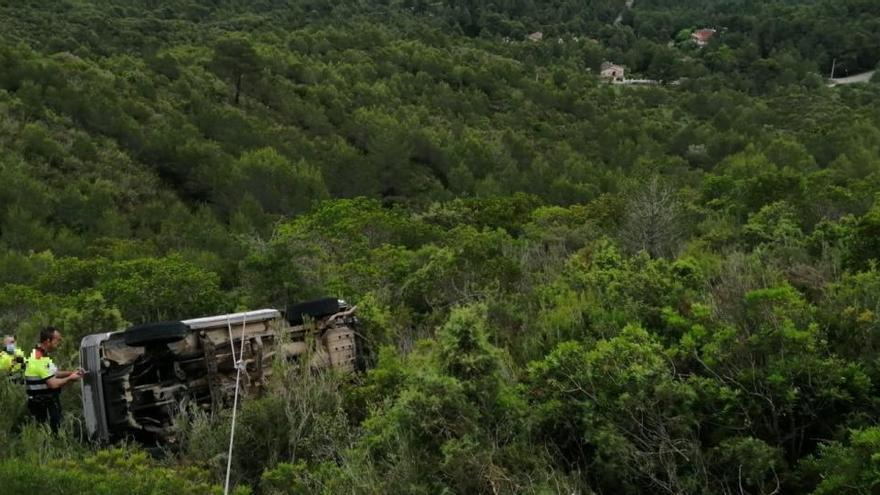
{"x":566,"y":285}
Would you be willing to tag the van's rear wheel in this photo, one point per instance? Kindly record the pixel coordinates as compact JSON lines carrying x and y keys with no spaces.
{"x":164,"y":332}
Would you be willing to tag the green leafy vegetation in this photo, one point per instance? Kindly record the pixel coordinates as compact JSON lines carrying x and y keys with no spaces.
{"x":567,"y":286}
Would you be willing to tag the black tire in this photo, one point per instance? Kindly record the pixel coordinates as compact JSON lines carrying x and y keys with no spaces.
{"x":318,"y":308}
{"x":164,"y":332}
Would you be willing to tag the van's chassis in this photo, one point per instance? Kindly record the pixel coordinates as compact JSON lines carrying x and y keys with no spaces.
{"x":140,"y":391}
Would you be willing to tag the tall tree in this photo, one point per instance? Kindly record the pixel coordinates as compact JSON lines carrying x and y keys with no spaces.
{"x":235,"y":57}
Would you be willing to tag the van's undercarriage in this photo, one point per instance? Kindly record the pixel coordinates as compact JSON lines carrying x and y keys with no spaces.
{"x":140,"y":390}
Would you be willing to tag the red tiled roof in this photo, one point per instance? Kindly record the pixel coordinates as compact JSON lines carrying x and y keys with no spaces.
{"x":703,"y":35}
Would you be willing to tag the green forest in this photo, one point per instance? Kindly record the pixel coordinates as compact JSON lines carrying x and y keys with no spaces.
{"x":567,"y":286}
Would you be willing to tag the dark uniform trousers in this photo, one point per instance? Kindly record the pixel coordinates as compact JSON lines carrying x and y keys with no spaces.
{"x":46,"y":409}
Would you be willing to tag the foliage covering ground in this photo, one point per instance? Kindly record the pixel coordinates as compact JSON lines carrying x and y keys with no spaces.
{"x":568,"y":286}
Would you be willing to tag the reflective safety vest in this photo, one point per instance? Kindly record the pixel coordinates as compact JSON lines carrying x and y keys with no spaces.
{"x":37,"y":371}
{"x":11,"y":363}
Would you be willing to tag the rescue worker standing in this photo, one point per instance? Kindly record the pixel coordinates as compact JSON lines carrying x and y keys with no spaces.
{"x":43,"y":381}
{"x":11,"y":358}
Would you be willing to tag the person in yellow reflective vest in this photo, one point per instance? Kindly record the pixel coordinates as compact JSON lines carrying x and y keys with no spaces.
{"x":43,"y":381}
{"x":11,"y":358}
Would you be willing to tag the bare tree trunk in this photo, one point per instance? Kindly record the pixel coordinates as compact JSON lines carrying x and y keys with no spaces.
{"x":238,"y":88}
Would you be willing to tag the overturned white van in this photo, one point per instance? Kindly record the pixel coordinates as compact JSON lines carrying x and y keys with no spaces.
{"x":139,"y":380}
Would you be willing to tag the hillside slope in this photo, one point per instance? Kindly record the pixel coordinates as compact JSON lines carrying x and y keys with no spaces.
{"x":566,"y":285}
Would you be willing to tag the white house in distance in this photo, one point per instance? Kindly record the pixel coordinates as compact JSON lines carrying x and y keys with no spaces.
{"x":536,"y":36}
{"x":611,"y":72}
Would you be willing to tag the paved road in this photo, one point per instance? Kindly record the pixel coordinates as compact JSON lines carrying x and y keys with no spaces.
{"x":858,"y":78}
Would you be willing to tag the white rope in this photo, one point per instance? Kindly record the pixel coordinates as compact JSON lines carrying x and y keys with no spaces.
{"x":239,"y":366}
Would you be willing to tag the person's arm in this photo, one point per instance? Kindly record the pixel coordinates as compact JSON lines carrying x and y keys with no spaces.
{"x":58,"y":381}
{"x":65,"y":374}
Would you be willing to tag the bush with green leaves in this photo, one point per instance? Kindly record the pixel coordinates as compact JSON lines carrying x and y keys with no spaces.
{"x":301,"y":418}
{"x":564,"y":285}
{"x":107,"y":472}
{"x":848,"y":467}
